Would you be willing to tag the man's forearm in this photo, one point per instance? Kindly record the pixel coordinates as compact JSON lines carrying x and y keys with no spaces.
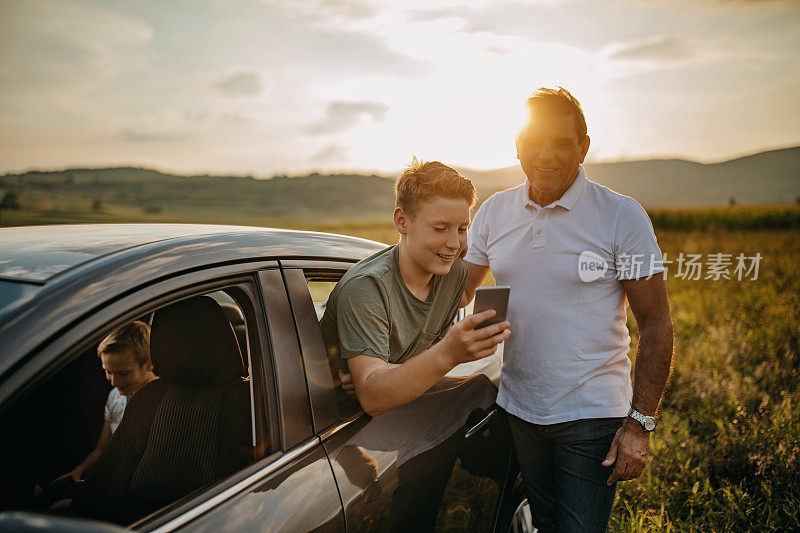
{"x":653,"y":365}
{"x":387,"y":386}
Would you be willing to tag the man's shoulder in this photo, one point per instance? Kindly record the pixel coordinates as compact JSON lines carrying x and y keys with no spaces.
{"x":606,"y":195}
{"x":499,"y":203}
{"x":506,"y":196}
{"x":611,"y":201}
{"x":609,"y":196}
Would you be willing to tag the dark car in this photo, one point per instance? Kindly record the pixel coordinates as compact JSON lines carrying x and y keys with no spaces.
{"x":247,"y":426}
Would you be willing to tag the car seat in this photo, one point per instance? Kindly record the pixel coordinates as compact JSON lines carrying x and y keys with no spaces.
{"x":182,"y":431}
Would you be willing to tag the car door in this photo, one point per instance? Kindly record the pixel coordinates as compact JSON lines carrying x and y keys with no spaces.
{"x":287,"y":484}
{"x":441,"y":461}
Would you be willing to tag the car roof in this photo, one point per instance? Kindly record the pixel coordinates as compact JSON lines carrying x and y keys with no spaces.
{"x":35,"y":254}
{"x":50,"y":274}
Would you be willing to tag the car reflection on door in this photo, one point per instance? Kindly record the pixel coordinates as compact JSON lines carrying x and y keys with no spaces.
{"x":413,"y":469}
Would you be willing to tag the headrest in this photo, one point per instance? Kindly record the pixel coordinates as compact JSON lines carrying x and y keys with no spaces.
{"x":192,"y":343}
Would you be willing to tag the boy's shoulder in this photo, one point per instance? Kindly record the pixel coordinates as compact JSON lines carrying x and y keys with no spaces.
{"x":369,"y":270}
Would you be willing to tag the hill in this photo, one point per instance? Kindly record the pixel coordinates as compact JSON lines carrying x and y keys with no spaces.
{"x":768,"y":178}
{"x":765,"y":178}
{"x":306,"y":197}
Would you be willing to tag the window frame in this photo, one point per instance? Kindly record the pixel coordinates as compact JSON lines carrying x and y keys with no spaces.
{"x":317,"y":270}
{"x":86,"y":332}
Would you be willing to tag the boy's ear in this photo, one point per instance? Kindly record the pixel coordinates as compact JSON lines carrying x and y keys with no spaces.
{"x":400,"y":220}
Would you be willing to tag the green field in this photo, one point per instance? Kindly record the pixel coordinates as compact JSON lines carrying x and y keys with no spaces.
{"x":726,"y":454}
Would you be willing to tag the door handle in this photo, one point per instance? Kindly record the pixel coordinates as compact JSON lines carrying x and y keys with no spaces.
{"x":480,"y":425}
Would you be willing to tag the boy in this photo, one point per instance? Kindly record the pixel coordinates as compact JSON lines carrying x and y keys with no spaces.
{"x":125,"y":356}
{"x":388,"y":319}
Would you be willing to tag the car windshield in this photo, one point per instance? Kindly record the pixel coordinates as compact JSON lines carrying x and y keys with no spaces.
{"x":12,"y":292}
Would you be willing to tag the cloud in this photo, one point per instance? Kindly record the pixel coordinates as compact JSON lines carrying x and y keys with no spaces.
{"x":236,"y":119}
{"x":341,"y":116}
{"x":658,"y":48}
{"x":347,"y":9}
{"x":66,"y":43}
{"x":329,"y":154}
{"x":498,"y":50}
{"x":345,"y":36}
{"x":143,"y":135}
{"x":240,"y":84}
{"x":163,"y":127}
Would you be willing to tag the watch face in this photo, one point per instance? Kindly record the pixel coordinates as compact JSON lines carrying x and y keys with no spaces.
{"x":649,"y":423}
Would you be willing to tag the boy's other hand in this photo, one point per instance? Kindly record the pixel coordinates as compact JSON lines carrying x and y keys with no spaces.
{"x":347,"y":383}
{"x":464,"y":343}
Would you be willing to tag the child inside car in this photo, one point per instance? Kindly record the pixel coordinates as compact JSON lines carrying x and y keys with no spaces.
{"x":125,"y":357}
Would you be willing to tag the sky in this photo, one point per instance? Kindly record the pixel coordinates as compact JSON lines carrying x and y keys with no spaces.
{"x":251,"y":87}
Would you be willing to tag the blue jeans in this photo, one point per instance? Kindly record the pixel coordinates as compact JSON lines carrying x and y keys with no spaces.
{"x":563,"y":474}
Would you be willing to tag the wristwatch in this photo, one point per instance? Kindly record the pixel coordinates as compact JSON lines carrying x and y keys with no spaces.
{"x":647,"y":422}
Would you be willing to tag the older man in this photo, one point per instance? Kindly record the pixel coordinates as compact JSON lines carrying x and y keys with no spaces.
{"x":575,"y":254}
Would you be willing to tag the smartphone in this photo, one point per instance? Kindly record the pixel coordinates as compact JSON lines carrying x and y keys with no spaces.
{"x":492,"y":298}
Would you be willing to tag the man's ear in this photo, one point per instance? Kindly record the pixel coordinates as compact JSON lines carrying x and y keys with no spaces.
{"x":400,"y":220}
{"x":584,"y":148}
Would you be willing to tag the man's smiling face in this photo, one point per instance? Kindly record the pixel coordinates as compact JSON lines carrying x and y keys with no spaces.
{"x":549,"y":150}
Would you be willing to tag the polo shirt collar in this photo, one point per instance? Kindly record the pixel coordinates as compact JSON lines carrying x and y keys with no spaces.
{"x":570,"y":198}
{"x":567,"y":200}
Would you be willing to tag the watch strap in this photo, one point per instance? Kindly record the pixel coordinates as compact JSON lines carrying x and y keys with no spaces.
{"x":642,"y":419}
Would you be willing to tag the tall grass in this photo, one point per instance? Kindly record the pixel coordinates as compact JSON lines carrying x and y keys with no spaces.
{"x":726,"y":454}
{"x":726,"y":218}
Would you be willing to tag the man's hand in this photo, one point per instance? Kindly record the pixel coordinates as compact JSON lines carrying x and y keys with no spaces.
{"x":347,"y":383}
{"x":629,"y":451}
{"x":464,"y":343}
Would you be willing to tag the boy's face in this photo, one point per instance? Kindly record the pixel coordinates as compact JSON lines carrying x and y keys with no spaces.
{"x":123,"y":372}
{"x":437,"y":234}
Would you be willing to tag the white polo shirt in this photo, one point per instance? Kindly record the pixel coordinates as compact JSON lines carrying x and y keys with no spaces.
{"x":567,"y":357}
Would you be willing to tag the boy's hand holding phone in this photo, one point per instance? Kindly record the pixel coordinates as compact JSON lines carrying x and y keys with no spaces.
{"x":465,"y":343}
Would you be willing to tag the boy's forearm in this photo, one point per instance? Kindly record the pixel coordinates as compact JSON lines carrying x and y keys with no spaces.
{"x":388,"y":386}
{"x":88,"y":462}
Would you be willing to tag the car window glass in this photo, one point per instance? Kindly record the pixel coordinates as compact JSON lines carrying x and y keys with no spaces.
{"x":180,"y":428}
{"x":320,"y":290}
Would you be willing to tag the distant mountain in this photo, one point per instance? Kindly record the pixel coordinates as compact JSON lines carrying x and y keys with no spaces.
{"x":767,"y":178}
{"x":771,"y":177}
{"x":311,"y":197}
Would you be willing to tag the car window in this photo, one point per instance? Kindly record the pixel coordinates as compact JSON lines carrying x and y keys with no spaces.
{"x":320,"y":286}
{"x":116,"y":438}
{"x":320,"y":290}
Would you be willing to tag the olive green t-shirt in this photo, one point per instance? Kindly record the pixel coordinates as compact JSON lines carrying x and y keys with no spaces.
{"x":372,"y":312}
